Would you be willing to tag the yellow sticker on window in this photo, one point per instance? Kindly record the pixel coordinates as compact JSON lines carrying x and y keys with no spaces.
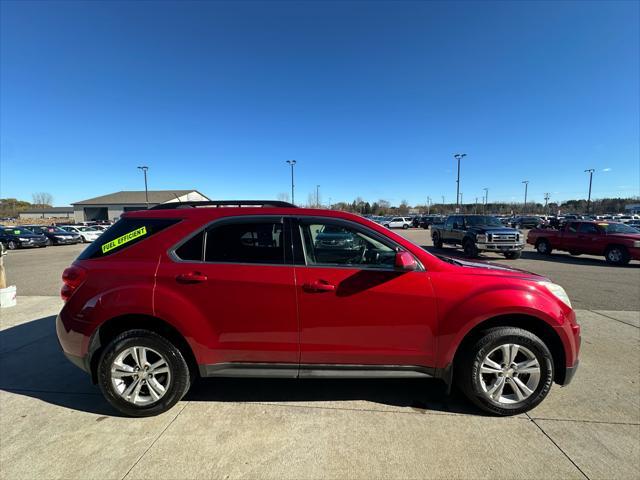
{"x":127,"y":237}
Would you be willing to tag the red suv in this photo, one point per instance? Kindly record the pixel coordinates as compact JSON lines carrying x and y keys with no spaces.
{"x":176,"y":292}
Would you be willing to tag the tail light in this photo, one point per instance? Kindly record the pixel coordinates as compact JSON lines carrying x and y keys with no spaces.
{"x":72,"y":278}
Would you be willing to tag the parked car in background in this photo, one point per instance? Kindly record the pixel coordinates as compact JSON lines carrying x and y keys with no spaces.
{"x":170,"y":294}
{"x":20,"y":237}
{"x":397,"y":222}
{"x":88,"y":234}
{"x":619,"y":243}
{"x":627,"y":218}
{"x":526,"y":222}
{"x":478,"y":233}
{"x":427,"y":220}
{"x":55,"y":235}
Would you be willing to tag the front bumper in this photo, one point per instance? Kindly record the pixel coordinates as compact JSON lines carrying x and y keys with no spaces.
{"x":66,"y":241}
{"x":635,"y":253}
{"x":32,"y":243}
{"x":500,"y":247}
{"x":570,"y":372}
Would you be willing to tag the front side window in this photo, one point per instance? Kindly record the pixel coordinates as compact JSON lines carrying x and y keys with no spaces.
{"x":572,"y":228}
{"x":250,"y":242}
{"x":340,"y":245}
{"x":587,"y":228}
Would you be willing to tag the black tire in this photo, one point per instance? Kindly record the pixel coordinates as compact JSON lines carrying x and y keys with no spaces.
{"x":617,"y":255}
{"x":11,"y":245}
{"x":470,"y":248}
{"x":468,"y":376}
{"x":405,"y":226}
{"x":575,"y":254}
{"x":178,"y":369}
{"x":49,"y":242}
{"x":437,"y":241}
{"x":513,"y":255}
{"x":543,"y":246}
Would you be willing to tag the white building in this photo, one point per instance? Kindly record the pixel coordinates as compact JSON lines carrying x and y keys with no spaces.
{"x":111,"y":206}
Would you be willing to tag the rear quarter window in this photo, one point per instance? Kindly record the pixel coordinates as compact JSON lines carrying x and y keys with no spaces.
{"x":125,"y":233}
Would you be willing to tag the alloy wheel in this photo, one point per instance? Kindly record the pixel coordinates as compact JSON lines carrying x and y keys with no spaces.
{"x":615,"y":255}
{"x":509,"y":374}
{"x":140,"y":375}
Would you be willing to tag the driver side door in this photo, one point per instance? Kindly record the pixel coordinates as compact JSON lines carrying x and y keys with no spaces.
{"x":354,"y":307}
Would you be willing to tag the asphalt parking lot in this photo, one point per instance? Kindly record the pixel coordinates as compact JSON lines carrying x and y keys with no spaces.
{"x":55,"y":424}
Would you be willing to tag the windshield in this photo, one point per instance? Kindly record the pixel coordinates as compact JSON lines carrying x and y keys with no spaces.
{"x":617,"y":228}
{"x":484,"y":221}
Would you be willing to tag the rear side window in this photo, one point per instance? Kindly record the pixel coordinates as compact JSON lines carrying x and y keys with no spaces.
{"x":255,"y":242}
{"x":123,"y":234}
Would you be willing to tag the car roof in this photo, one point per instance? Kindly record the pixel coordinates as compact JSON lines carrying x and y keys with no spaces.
{"x":204,"y":213}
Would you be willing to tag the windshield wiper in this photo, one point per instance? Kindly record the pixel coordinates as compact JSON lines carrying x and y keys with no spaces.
{"x":449,"y":260}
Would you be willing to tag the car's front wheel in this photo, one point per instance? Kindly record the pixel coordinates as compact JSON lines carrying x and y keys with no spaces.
{"x":141,"y":373}
{"x":507,"y":371}
{"x":11,"y":245}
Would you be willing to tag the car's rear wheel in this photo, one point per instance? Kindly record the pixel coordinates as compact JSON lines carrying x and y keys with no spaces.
{"x":617,"y":255}
{"x":405,"y":226}
{"x":437,"y":241}
{"x":507,"y":371}
{"x":11,"y":245}
{"x":543,"y":246}
{"x":141,"y":373}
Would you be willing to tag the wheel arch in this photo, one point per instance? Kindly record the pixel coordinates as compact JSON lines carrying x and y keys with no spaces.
{"x":117,"y":325}
{"x":535,"y":325}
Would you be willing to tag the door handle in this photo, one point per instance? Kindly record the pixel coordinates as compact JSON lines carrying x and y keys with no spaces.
{"x":319,"y":286}
{"x":191,"y":277}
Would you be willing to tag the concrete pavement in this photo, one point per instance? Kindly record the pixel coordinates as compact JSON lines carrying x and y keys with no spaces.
{"x":55,"y":424}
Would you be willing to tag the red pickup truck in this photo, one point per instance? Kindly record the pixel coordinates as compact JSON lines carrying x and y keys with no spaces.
{"x":618,"y":242}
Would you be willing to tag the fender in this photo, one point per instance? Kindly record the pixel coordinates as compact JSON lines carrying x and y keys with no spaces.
{"x":192,"y":323}
{"x":495,"y":299}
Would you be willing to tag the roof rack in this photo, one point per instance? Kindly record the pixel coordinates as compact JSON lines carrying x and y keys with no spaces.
{"x":223,"y":203}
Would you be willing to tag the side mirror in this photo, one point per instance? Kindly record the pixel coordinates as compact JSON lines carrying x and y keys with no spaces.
{"x":405,"y":262}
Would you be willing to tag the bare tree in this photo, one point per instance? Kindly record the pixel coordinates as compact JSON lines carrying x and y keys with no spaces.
{"x":283,"y":197}
{"x":42,"y":199}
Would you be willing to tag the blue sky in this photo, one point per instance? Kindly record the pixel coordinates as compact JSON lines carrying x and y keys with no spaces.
{"x":371,"y":98}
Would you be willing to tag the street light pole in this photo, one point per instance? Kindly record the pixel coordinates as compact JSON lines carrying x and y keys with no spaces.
{"x":292,"y":163}
{"x":458,"y":157}
{"x":317,"y":195}
{"x":547,"y":196}
{"x":526,"y":186}
{"x":590,"y":170}
{"x":486,"y":199}
{"x":144,"y":169}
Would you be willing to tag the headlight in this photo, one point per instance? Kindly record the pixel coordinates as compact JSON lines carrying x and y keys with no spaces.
{"x":481,"y":238}
{"x":557,"y":292}
{"x":636,"y":243}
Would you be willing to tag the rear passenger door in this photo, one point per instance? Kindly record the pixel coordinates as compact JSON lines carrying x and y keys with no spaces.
{"x":236,"y":274}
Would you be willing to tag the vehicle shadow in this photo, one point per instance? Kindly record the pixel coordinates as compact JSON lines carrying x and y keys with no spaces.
{"x":32,"y":365}
{"x":559,"y":257}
